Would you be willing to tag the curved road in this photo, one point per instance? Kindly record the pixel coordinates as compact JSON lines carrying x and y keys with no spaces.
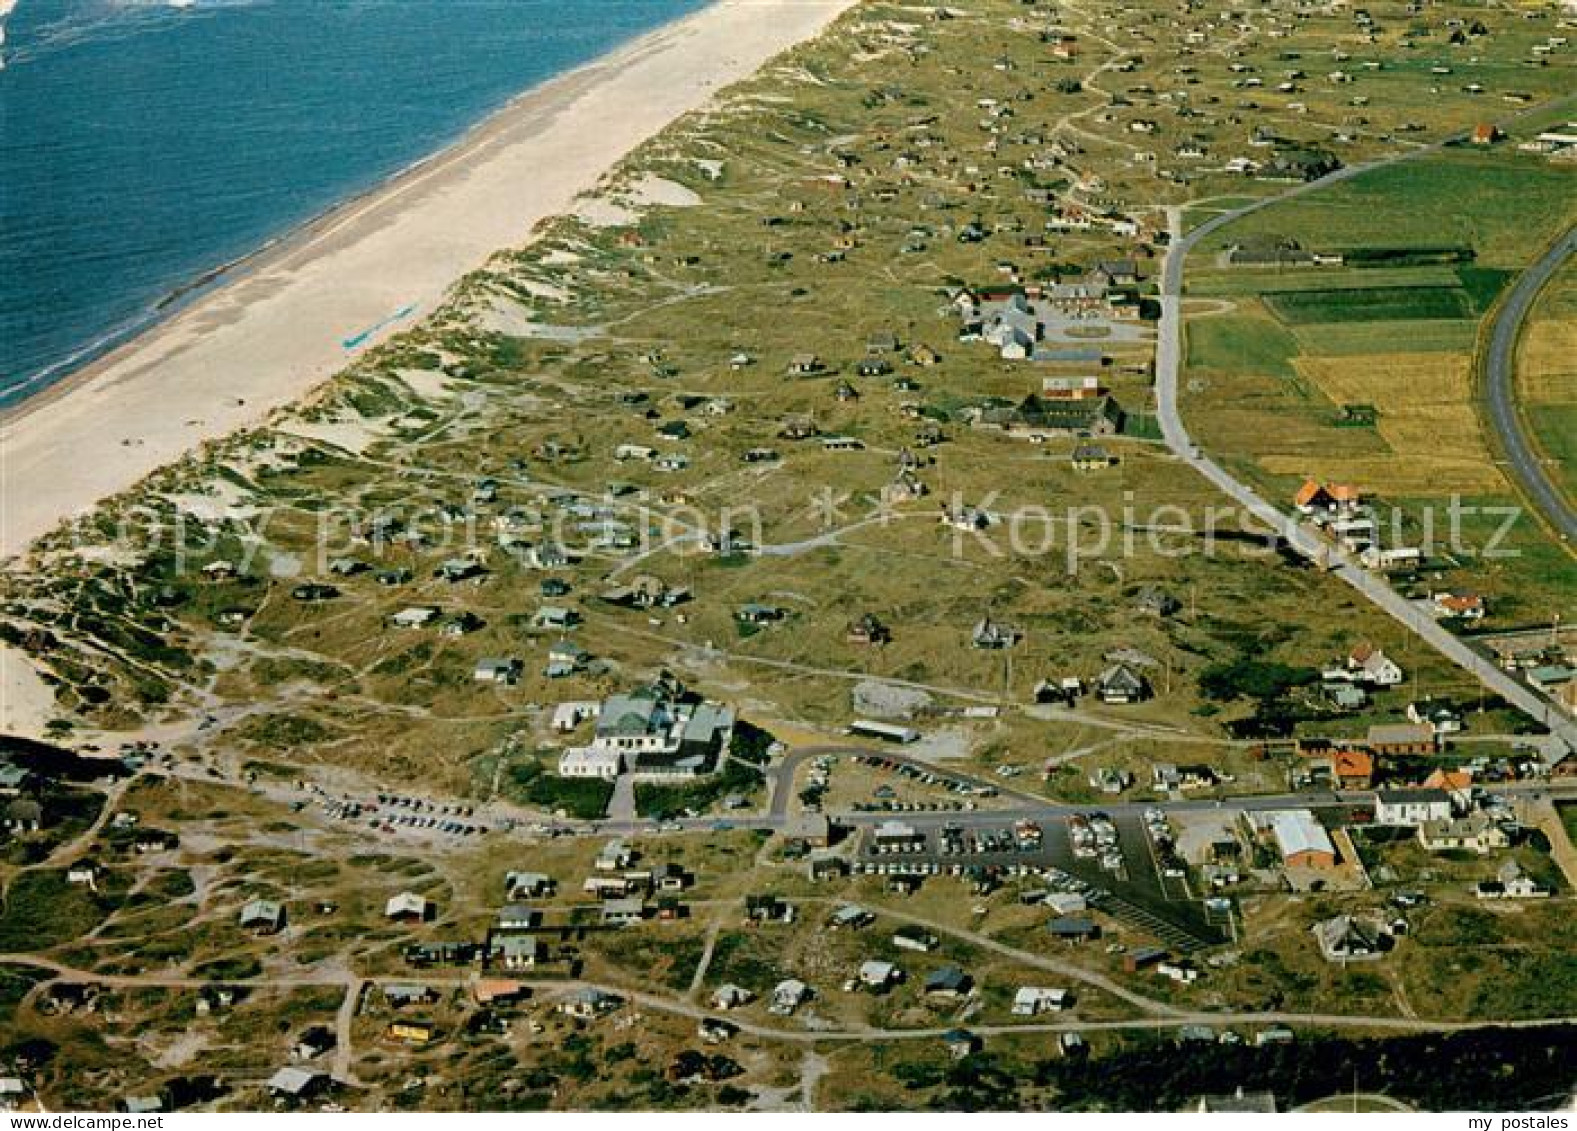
{"x":1168,"y":367}
{"x":1500,"y":381}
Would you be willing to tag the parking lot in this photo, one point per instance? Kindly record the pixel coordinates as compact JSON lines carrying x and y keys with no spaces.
{"x":393,"y":813}
{"x":964,"y":792}
{"x":1120,"y":878}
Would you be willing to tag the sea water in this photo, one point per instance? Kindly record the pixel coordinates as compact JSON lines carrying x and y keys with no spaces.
{"x":146,"y":143}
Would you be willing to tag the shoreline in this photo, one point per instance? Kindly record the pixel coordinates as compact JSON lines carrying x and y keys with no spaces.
{"x":271,"y":326}
{"x":177,"y":298}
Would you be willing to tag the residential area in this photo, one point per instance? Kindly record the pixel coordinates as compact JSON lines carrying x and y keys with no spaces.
{"x":842,"y":621}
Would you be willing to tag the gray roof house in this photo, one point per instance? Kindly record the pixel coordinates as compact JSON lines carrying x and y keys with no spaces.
{"x":1122,"y":684}
{"x":264,"y":915}
{"x":948,"y":981}
{"x":1343,"y":938}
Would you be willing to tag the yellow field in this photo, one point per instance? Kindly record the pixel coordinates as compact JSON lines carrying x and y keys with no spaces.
{"x":1395,"y":382}
{"x":1547,"y":358}
{"x":1402,"y":476}
{"x":1426,"y":419}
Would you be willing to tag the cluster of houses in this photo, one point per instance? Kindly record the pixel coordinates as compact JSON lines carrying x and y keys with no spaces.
{"x":1558,"y":144}
{"x":659,"y":731}
{"x":1445,"y":812}
{"x":1016,"y":320}
{"x":944,"y":985}
{"x":632,"y":892}
{"x":1547,"y":663}
{"x":1340,"y":511}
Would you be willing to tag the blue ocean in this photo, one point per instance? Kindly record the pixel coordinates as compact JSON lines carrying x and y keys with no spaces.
{"x":145,"y":143}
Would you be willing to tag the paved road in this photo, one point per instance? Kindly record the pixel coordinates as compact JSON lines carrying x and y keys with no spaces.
{"x":1040,"y":809}
{"x":1500,"y":378}
{"x":1169,"y":364}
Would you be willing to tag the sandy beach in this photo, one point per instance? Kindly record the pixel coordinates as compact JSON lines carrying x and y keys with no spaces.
{"x":276,"y":327}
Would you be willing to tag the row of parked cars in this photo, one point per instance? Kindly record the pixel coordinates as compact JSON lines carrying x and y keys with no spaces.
{"x":925,"y":776}
{"x":955,"y":840}
{"x":393,"y":813}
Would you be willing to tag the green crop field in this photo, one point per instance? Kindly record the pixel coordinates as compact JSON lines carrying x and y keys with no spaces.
{"x":1371,"y":304}
{"x":1350,"y":339}
{"x":1240,"y":343}
{"x":1227,"y":282}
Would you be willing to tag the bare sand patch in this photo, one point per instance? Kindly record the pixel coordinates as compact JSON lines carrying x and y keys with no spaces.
{"x":26,"y":702}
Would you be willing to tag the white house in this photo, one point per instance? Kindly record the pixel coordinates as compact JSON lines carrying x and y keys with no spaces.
{"x":1030,"y":1000}
{"x":730,"y":996}
{"x":1368,"y":664}
{"x":878,"y":975}
{"x":408,"y":906}
{"x":416,"y":616}
{"x":568,"y":716}
{"x":1398,"y":557}
{"x":1512,"y":883}
{"x":590,"y":763}
{"x":1411,"y":807}
{"x":1468,"y":834}
{"x":788,"y":996}
{"x":500,"y":670}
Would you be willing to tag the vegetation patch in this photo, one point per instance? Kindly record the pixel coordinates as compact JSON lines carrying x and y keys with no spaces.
{"x":1371,"y":304}
{"x":735,"y":778}
{"x":43,"y":910}
{"x":584,"y":799}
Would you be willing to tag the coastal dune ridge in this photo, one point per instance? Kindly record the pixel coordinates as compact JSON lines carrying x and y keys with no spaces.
{"x":278,"y":324}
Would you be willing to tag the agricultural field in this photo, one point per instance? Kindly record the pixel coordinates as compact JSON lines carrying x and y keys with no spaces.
{"x":1361,"y":371}
{"x":698,"y":431}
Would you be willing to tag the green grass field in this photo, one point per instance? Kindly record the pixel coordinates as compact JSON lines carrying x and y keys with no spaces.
{"x":1502,"y":205}
{"x":1349,"y":339}
{"x":1555,"y":426}
{"x":1241,"y":343}
{"x":1371,"y":304}
{"x":1245,"y":366}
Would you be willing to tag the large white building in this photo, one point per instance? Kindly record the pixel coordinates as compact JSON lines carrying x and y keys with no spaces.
{"x":590,"y":763}
{"x":655,"y":731}
{"x":1411,"y":807}
{"x":1301,"y":840}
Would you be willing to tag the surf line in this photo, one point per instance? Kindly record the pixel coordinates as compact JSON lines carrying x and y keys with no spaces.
{"x":362,"y":338}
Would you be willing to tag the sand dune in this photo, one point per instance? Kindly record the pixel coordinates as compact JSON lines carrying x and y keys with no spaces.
{"x":278,"y":327}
